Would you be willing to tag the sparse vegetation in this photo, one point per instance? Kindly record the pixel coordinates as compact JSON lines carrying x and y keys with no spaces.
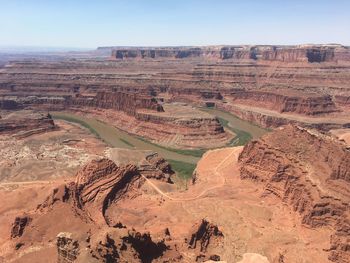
{"x":80,"y":122}
{"x":195,"y":153}
{"x":183,"y":170}
{"x":127,"y":142}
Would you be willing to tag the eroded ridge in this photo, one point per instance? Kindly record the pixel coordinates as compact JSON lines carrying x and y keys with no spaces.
{"x":310,"y":172}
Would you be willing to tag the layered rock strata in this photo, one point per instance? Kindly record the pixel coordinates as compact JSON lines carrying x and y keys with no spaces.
{"x":154,"y":166}
{"x":310,"y":172}
{"x":309,"y":80}
{"x":138,"y":114}
{"x":120,"y":101}
{"x":306,"y":53}
{"x":312,"y":104}
{"x":99,"y":185}
{"x":24,"y":124}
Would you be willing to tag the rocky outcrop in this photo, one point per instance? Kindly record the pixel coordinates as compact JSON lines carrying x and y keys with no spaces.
{"x":98,"y":184}
{"x":128,"y":245}
{"x":307,"y":170}
{"x":101,"y":183}
{"x":340,"y":243}
{"x":19,"y":225}
{"x":120,"y":101}
{"x":309,"y":54}
{"x":266,"y":120}
{"x":204,"y":234}
{"x":309,"y":104}
{"x":106,"y":250}
{"x":153,"y":53}
{"x":145,"y":247}
{"x":25,"y":124}
{"x":116,"y":245}
{"x":154,"y":166}
{"x":127,"y":102}
{"x":204,"y":237}
{"x":67,"y":248}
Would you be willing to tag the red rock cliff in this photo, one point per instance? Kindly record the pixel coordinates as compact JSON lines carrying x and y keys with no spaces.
{"x":310,"y":172}
{"x":306,"y":53}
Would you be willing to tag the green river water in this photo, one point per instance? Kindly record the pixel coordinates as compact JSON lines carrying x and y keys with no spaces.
{"x":121,"y":139}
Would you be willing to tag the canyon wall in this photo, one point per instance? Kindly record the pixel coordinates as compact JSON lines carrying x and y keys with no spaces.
{"x":303,"y":53}
{"x":280,"y":79}
{"x":310,"y":172}
{"x":312,"y":104}
{"x":120,"y":101}
{"x":25,"y":124}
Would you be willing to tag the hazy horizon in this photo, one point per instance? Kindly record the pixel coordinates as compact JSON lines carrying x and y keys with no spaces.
{"x":91,"y":24}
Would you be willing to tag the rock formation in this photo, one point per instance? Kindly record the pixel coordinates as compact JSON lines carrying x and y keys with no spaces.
{"x":19,"y":225}
{"x":205,"y":233}
{"x":128,"y":245}
{"x":98,"y":184}
{"x":67,"y":248}
{"x":147,"y":92}
{"x":307,"y":53}
{"x":313,"y":104}
{"x":120,"y":101}
{"x":309,"y":80}
{"x":25,"y":123}
{"x":138,"y":114}
{"x":310,"y":172}
{"x":204,"y":237}
{"x":140,"y":224}
{"x":154,"y":166}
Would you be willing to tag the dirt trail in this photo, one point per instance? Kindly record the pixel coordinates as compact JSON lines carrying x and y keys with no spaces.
{"x":27,"y":183}
{"x":216,"y":173}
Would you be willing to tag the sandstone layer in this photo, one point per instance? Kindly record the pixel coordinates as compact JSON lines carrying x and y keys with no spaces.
{"x":112,"y":212}
{"x":290,"y":81}
{"x":302,"y":53}
{"x":311,"y":173}
{"x":25,"y":123}
{"x":180,"y":126}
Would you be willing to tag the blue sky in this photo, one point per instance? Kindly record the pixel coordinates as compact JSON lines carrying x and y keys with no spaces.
{"x":92,"y":23}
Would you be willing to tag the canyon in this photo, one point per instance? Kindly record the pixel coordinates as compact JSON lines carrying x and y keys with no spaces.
{"x":267,"y":85}
{"x":271,"y":201}
{"x":176,"y":154}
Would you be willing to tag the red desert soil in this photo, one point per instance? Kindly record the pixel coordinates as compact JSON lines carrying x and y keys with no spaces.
{"x":221,"y":216}
{"x":45,"y":156}
{"x":342,"y":134}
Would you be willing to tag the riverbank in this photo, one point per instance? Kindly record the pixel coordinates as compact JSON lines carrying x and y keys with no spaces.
{"x":183,"y":161}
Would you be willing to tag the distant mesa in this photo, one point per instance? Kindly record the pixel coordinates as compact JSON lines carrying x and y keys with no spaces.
{"x":301,"y":53}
